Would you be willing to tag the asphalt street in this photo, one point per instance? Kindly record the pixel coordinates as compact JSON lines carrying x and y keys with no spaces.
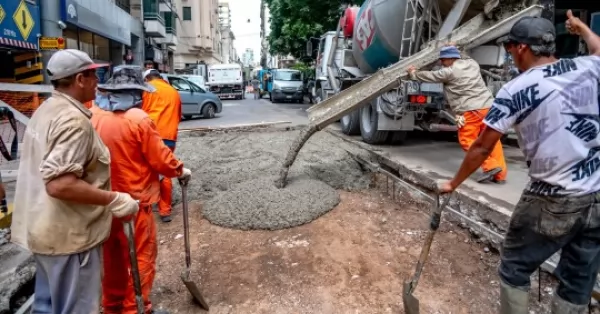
{"x":250,"y":111}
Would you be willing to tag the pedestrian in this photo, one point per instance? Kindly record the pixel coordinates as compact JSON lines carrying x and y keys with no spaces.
{"x":139,"y":156}
{"x":63,"y":201}
{"x":470,"y":100}
{"x":164,"y":108}
{"x":256,"y":88}
{"x":148,"y":64}
{"x":553,"y":105}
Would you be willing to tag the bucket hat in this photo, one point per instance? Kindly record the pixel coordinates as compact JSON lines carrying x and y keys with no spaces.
{"x":126,"y":77}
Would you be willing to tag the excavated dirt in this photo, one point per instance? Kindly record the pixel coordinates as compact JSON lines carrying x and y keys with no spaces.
{"x":353,"y":259}
{"x":235,"y":174}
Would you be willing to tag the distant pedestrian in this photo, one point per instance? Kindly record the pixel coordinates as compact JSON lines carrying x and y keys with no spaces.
{"x":256,"y":88}
{"x":553,"y":106}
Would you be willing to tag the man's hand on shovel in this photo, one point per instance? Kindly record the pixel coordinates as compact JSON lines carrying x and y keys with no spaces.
{"x":185,"y":177}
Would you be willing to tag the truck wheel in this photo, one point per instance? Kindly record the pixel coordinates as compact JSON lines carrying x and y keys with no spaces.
{"x":368,"y":125}
{"x":351,"y":123}
{"x":398,"y":137}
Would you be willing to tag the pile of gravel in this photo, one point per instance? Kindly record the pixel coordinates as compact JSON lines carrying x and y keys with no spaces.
{"x":234,"y":174}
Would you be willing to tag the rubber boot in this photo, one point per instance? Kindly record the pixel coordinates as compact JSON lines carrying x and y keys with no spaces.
{"x":513,"y":300}
{"x":560,"y":306}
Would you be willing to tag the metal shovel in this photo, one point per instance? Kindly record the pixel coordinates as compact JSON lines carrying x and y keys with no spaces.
{"x":135,"y":272}
{"x":411,"y":304}
{"x":185,"y":274}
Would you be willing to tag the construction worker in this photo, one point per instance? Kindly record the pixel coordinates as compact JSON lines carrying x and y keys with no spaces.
{"x":256,"y":88}
{"x":164,"y":108}
{"x":139,"y":156}
{"x":470,"y":100}
{"x":63,"y":203}
{"x":553,"y":105}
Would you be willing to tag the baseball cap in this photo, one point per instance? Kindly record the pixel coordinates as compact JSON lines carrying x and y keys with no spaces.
{"x":126,"y":77}
{"x":151,"y":72}
{"x":531,"y":30}
{"x":67,"y":62}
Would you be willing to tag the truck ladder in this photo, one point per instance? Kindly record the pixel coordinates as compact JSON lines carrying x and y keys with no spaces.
{"x":478,"y":31}
{"x":411,"y":18}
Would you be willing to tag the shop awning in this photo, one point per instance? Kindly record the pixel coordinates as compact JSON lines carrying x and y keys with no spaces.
{"x":17,"y":43}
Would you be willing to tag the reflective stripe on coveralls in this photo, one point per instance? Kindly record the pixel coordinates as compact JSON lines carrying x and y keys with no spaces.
{"x":164,"y":108}
{"x":138,"y":156}
{"x":470,"y":132}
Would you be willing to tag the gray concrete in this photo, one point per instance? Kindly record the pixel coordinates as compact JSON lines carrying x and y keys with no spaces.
{"x":246,"y":111}
{"x":234,"y":174}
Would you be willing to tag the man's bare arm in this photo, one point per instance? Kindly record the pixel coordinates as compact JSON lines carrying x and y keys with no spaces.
{"x":72,"y":189}
{"x":592,"y":40}
{"x":478,"y":152}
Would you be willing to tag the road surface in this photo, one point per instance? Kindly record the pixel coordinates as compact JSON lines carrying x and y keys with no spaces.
{"x":249,"y":110}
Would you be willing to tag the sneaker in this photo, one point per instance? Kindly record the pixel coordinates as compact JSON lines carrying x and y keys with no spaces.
{"x":166,"y":218}
{"x":488,"y":176}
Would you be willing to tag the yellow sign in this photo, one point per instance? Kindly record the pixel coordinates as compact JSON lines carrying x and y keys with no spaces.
{"x":52,"y":43}
{"x":2,"y":14}
{"x":23,"y":20}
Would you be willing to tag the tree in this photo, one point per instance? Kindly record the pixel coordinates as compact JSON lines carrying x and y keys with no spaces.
{"x":294,"y":22}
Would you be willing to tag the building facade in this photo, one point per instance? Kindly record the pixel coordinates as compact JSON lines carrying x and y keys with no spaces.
{"x":102,"y":28}
{"x":20,"y":25}
{"x":248,"y":58}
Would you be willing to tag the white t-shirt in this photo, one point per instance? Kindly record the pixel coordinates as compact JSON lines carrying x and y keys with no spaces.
{"x":555,"y":112}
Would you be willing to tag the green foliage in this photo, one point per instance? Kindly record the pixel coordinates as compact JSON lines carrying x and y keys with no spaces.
{"x":307,"y":70}
{"x":294,"y":22}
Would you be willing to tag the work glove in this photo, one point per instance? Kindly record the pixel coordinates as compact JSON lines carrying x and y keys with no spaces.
{"x":123,"y":205}
{"x":460,"y":121}
{"x":185,"y":176}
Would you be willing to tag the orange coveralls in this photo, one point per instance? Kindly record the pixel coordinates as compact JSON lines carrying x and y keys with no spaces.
{"x":138,"y":156}
{"x":164,"y":108}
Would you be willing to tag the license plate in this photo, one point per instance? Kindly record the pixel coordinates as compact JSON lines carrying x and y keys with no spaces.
{"x":288,"y":97}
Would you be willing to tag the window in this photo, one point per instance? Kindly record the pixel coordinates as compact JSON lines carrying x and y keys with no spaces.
{"x":179,"y":84}
{"x":101,"y":48}
{"x":195,"y":87}
{"x":71,"y":39}
{"x":86,"y":42}
{"x":187,"y":13}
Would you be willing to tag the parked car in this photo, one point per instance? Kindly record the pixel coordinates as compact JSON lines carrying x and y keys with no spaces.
{"x":195,"y":100}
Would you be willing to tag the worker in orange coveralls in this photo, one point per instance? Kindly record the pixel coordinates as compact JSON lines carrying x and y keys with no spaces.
{"x":138,"y":157}
{"x":164,"y":108}
{"x":470,"y":100}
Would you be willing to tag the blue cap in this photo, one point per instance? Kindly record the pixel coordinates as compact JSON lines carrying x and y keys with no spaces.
{"x":449,"y":52}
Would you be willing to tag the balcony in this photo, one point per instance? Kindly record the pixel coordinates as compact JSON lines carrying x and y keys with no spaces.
{"x":171,"y":29}
{"x":153,"y":20}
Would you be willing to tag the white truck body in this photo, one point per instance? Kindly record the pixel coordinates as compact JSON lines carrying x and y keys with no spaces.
{"x":226,"y":80}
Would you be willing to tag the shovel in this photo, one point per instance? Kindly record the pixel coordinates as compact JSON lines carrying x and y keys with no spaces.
{"x":185,"y":274}
{"x":411,"y":304}
{"x":135,"y":272}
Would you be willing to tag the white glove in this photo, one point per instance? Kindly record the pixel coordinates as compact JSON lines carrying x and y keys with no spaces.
{"x":460,"y":121}
{"x":123,"y":205}
{"x":185,"y":176}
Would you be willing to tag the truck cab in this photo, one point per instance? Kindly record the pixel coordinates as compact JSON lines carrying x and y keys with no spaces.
{"x":287,"y":85}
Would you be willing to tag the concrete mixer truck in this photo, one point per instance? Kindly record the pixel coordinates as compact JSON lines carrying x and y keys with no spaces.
{"x":382,"y":32}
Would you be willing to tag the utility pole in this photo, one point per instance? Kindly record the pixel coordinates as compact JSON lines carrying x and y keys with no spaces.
{"x":263,"y":36}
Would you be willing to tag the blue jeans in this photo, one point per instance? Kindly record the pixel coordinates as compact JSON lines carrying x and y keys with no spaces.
{"x":541,"y":226}
{"x":68,"y":284}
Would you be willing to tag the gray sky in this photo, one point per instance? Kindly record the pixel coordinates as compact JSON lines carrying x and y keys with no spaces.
{"x":247,"y":34}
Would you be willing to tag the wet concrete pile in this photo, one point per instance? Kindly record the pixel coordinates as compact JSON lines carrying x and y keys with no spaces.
{"x":17,"y":273}
{"x":235,"y":175}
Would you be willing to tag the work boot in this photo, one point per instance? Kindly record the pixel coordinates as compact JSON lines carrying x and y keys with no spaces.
{"x":166,"y":218}
{"x":488,"y":176}
{"x":513,"y":300}
{"x":560,"y":306}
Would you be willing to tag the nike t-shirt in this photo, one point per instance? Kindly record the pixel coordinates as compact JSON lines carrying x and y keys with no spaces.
{"x":554,"y":111}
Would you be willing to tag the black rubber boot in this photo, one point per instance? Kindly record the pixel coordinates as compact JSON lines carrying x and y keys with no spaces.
{"x":488,"y":176}
{"x":166,"y":218}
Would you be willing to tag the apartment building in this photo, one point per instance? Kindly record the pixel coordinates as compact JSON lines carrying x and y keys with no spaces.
{"x":229,"y":54}
{"x":248,"y":58}
{"x":199,"y":38}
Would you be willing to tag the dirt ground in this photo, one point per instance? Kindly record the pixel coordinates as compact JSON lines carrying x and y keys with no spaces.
{"x":353,"y":259}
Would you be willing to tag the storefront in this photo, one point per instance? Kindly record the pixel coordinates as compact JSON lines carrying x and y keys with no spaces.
{"x":19,"y":31}
{"x":100,"y":29}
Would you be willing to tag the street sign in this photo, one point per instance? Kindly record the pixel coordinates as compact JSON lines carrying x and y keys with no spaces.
{"x":23,"y":20}
{"x":2,"y":14}
{"x":52,"y":43}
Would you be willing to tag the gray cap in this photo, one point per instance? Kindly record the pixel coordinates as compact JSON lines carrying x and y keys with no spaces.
{"x":126,"y":77}
{"x":531,"y":30}
{"x":151,"y":72}
{"x":65,"y":63}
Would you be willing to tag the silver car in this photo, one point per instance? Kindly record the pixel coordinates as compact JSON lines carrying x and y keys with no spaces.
{"x":195,"y":101}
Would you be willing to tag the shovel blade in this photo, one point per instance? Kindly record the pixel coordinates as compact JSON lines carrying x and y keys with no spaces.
{"x":411,"y":304}
{"x":193,"y":289}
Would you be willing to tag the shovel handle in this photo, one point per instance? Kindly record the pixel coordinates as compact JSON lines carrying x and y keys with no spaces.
{"x":135,"y":271}
{"x":434,"y":224}
{"x":186,"y":223}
